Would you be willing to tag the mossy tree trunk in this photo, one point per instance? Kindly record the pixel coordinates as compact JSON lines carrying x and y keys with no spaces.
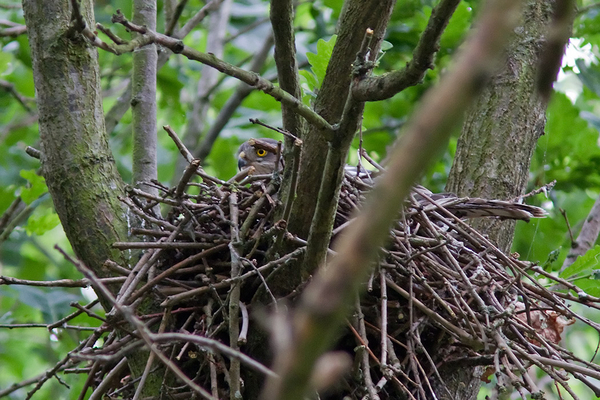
{"x":76,"y":160}
{"x":77,"y":163}
{"x":502,"y":127}
{"x":494,"y":150}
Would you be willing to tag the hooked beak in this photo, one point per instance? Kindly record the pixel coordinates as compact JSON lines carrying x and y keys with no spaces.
{"x":242,"y":160}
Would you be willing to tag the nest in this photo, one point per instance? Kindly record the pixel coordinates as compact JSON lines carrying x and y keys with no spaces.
{"x":442,"y":297}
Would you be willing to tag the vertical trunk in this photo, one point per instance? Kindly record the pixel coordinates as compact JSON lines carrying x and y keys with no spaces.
{"x":494,"y":150}
{"x":143,"y":104}
{"x":76,"y":160}
{"x":503,"y":126}
{"x":331,"y":101}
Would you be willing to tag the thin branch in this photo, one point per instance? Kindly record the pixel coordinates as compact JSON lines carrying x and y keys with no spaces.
{"x":47,"y":326}
{"x":234,"y":298}
{"x":6,"y":280}
{"x":148,"y":337}
{"x":252,"y":79}
{"x":10,"y":88}
{"x":587,"y":237}
{"x":174,"y":18}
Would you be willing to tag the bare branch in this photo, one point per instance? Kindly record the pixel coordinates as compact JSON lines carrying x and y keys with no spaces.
{"x":587,"y":237}
{"x":385,"y":86}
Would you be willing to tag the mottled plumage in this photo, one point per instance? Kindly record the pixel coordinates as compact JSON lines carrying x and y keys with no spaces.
{"x":261,"y":154}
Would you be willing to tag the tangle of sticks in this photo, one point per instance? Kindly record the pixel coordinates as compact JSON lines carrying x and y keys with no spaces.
{"x":442,"y":296}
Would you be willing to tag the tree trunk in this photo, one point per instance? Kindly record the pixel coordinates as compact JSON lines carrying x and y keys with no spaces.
{"x":494,"y":150}
{"x":331,"y":100}
{"x":76,"y":161}
{"x":502,"y":127}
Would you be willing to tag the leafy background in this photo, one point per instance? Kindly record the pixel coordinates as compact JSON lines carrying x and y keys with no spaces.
{"x":569,"y":152}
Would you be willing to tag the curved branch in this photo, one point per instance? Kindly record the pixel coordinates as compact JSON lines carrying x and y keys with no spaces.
{"x":387,"y":85}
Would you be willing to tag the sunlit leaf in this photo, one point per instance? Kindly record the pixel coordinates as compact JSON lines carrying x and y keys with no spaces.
{"x":584,"y":264}
{"x":37,"y":186}
{"x":320,"y":60}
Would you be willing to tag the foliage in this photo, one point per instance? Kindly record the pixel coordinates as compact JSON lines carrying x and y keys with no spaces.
{"x":569,"y":152}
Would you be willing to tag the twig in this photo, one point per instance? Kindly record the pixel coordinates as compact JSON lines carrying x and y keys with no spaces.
{"x":104,"y":385}
{"x":174,"y":18}
{"x":384,"y":318}
{"x":149,"y":338}
{"x":172,"y":300}
{"x":252,"y":79}
{"x":234,"y":298}
{"x":282,"y":131}
{"x":80,"y":310}
{"x":364,"y":354}
{"x":47,"y":326}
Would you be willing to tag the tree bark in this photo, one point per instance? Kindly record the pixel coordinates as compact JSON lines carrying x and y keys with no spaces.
{"x":502,"y":128}
{"x":331,"y":100}
{"x":76,"y":161}
{"x":494,"y":150}
{"x":143,"y":102}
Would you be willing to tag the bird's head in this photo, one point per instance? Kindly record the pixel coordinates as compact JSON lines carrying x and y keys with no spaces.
{"x":260,"y":154}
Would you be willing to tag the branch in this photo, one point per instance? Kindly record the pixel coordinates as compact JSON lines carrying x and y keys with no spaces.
{"x":387,"y":85}
{"x":69,"y":283}
{"x":13,"y":31}
{"x":323,"y":307}
{"x":10,"y":88}
{"x":321,"y":225}
{"x":587,"y":237}
{"x":557,"y":38}
{"x":174,"y":17}
{"x":250,"y":78}
{"x":233,"y":102}
{"x":143,"y":331}
{"x":234,"y":297}
{"x":143,"y":104}
{"x":198,"y":17}
{"x":282,"y":21}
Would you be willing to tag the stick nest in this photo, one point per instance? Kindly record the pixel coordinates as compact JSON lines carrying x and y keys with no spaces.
{"x":442,"y":298}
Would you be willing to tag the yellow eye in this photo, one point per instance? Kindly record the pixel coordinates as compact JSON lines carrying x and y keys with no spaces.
{"x":261,"y":152}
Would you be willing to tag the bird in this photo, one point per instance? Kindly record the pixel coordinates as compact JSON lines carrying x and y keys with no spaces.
{"x":262,"y":155}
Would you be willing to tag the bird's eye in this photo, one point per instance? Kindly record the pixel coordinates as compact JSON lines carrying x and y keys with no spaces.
{"x":261,"y":152}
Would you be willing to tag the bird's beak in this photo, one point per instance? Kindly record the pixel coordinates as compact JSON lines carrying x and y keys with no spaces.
{"x":242,"y":160}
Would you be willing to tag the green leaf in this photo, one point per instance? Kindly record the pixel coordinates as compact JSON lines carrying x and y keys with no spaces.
{"x":335,"y":5}
{"x":310,"y":80}
{"x":37,"y":186}
{"x":320,"y":60}
{"x":385,"y":45}
{"x":584,"y":264}
{"x":590,"y":286}
{"x":41,"y":221}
